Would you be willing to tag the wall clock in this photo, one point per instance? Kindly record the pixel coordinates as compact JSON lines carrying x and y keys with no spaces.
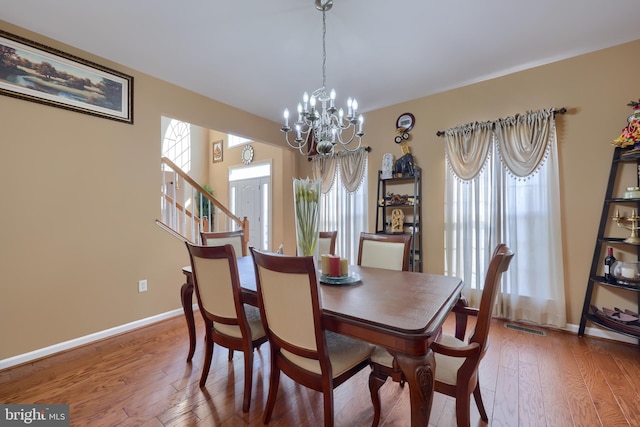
{"x":406,"y":121}
{"x":247,"y":154}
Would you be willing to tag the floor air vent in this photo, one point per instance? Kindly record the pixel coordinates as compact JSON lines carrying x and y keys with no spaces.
{"x":525,"y":329}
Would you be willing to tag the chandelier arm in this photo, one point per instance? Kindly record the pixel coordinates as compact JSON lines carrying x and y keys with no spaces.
{"x":347,"y":142}
{"x":304,"y":145}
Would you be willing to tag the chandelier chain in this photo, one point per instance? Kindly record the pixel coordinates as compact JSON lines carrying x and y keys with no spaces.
{"x":324,"y":49}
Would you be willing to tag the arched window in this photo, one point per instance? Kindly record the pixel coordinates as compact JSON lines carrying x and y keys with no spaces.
{"x":176,"y":145}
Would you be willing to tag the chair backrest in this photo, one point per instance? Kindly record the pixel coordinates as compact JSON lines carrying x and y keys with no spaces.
{"x":289,"y":301}
{"x":221,"y":238}
{"x":390,"y":251}
{"x":500,"y":261}
{"x":327,"y":242}
{"x":217,"y":285}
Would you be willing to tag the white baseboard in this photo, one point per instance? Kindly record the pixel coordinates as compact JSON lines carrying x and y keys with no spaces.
{"x":602,"y":333}
{"x":56,"y":348}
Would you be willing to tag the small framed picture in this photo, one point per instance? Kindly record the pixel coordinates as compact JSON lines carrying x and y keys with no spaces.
{"x":216,"y":149}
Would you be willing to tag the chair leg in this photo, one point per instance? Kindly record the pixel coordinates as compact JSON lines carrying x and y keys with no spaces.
{"x":248,"y":378}
{"x":375,"y":382}
{"x":478,"y":398}
{"x":274,"y":381}
{"x":208,"y":355}
{"x":328,"y":405}
{"x":463,"y":415}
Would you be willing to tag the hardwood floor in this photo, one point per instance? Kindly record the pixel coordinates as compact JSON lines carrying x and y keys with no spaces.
{"x":141,"y":379}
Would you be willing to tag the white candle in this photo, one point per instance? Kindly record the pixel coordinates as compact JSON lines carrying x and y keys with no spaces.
{"x":629,"y":273}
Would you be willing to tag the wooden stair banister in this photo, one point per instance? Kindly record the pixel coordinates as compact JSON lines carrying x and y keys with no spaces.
{"x":189,"y":216}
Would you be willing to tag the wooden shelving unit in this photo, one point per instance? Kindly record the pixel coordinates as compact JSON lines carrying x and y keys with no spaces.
{"x":595,"y":277}
{"x":407,"y":185}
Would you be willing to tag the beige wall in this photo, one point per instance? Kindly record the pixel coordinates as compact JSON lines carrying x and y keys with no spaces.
{"x":72,"y":255}
{"x":594,"y":87}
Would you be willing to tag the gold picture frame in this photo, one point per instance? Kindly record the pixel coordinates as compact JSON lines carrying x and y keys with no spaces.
{"x":216,"y":150}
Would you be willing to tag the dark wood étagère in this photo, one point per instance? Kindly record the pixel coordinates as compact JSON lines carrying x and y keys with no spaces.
{"x":405,"y":194}
{"x":611,"y":207}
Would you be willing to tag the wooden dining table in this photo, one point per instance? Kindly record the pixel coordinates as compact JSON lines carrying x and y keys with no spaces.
{"x":399,"y":310}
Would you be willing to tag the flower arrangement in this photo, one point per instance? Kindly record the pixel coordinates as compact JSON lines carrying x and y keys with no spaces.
{"x":306,"y":194}
{"x":630,"y":135}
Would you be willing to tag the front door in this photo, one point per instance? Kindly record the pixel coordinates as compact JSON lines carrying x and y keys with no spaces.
{"x":250,"y":198}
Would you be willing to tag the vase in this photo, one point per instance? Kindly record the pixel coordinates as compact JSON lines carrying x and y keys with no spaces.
{"x":306,"y":198}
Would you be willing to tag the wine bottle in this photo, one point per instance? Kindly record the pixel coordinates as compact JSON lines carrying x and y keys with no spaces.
{"x":608,"y":265}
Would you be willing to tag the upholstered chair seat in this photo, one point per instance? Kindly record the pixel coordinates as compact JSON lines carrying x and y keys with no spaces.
{"x":344,"y":354}
{"x":255,"y":323}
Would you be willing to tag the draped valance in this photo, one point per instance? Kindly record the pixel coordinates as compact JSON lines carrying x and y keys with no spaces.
{"x":522,"y":141}
{"x":351,"y":168}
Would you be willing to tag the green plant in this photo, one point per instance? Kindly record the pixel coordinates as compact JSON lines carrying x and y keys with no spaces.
{"x":205,"y":206}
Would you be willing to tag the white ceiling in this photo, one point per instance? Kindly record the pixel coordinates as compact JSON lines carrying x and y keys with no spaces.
{"x":260,"y":56}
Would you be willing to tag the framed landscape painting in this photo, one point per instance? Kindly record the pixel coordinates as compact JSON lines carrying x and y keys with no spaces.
{"x":35,"y":72}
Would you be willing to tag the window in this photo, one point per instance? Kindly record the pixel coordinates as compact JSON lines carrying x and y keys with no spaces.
{"x":176,"y":145}
{"x":235,"y":140}
{"x":337,"y":201}
{"x":487,"y":204}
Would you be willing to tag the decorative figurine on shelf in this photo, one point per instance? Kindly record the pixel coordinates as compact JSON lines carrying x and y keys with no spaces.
{"x":404,"y":165}
{"x":397,"y":221}
{"x":387,"y":166}
{"x":630,"y":135}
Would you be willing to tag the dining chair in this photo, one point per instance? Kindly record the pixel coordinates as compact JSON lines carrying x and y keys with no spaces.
{"x":220,"y":238}
{"x":390,"y":251}
{"x":456,"y":361}
{"x":290,"y":307}
{"x":327,"y":242}
{"x":228,"y":321}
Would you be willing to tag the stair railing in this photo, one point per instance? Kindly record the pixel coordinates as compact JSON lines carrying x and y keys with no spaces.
{"x":189,"y":209}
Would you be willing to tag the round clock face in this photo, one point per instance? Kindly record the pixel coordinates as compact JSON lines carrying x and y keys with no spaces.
{"x":406,"y":121}
{"x":247,"y":154}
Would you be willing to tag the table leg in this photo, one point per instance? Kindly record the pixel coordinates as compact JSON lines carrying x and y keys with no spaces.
{"x":186,"y":296}
{"x":419,"y":373}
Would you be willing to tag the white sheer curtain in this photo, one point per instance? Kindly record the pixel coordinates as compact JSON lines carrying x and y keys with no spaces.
{"x":509,"y":195}
{"x":344,"y":198}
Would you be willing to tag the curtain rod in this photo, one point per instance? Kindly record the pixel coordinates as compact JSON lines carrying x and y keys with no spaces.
{"x":366,"y":148}
{"x":558,"y":111}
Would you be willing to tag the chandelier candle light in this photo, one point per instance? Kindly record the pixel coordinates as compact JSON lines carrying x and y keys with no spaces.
{"x":318,"y":120}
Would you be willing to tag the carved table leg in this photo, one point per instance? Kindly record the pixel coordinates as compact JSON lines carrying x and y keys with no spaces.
{"x":186,"y":296}
{"x":420,"y":375}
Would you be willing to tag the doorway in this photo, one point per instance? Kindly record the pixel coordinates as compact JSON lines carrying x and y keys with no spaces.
{"x":250,"y":196}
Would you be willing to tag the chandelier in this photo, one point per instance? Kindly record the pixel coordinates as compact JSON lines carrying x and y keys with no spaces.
{"x":319,"y":122}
